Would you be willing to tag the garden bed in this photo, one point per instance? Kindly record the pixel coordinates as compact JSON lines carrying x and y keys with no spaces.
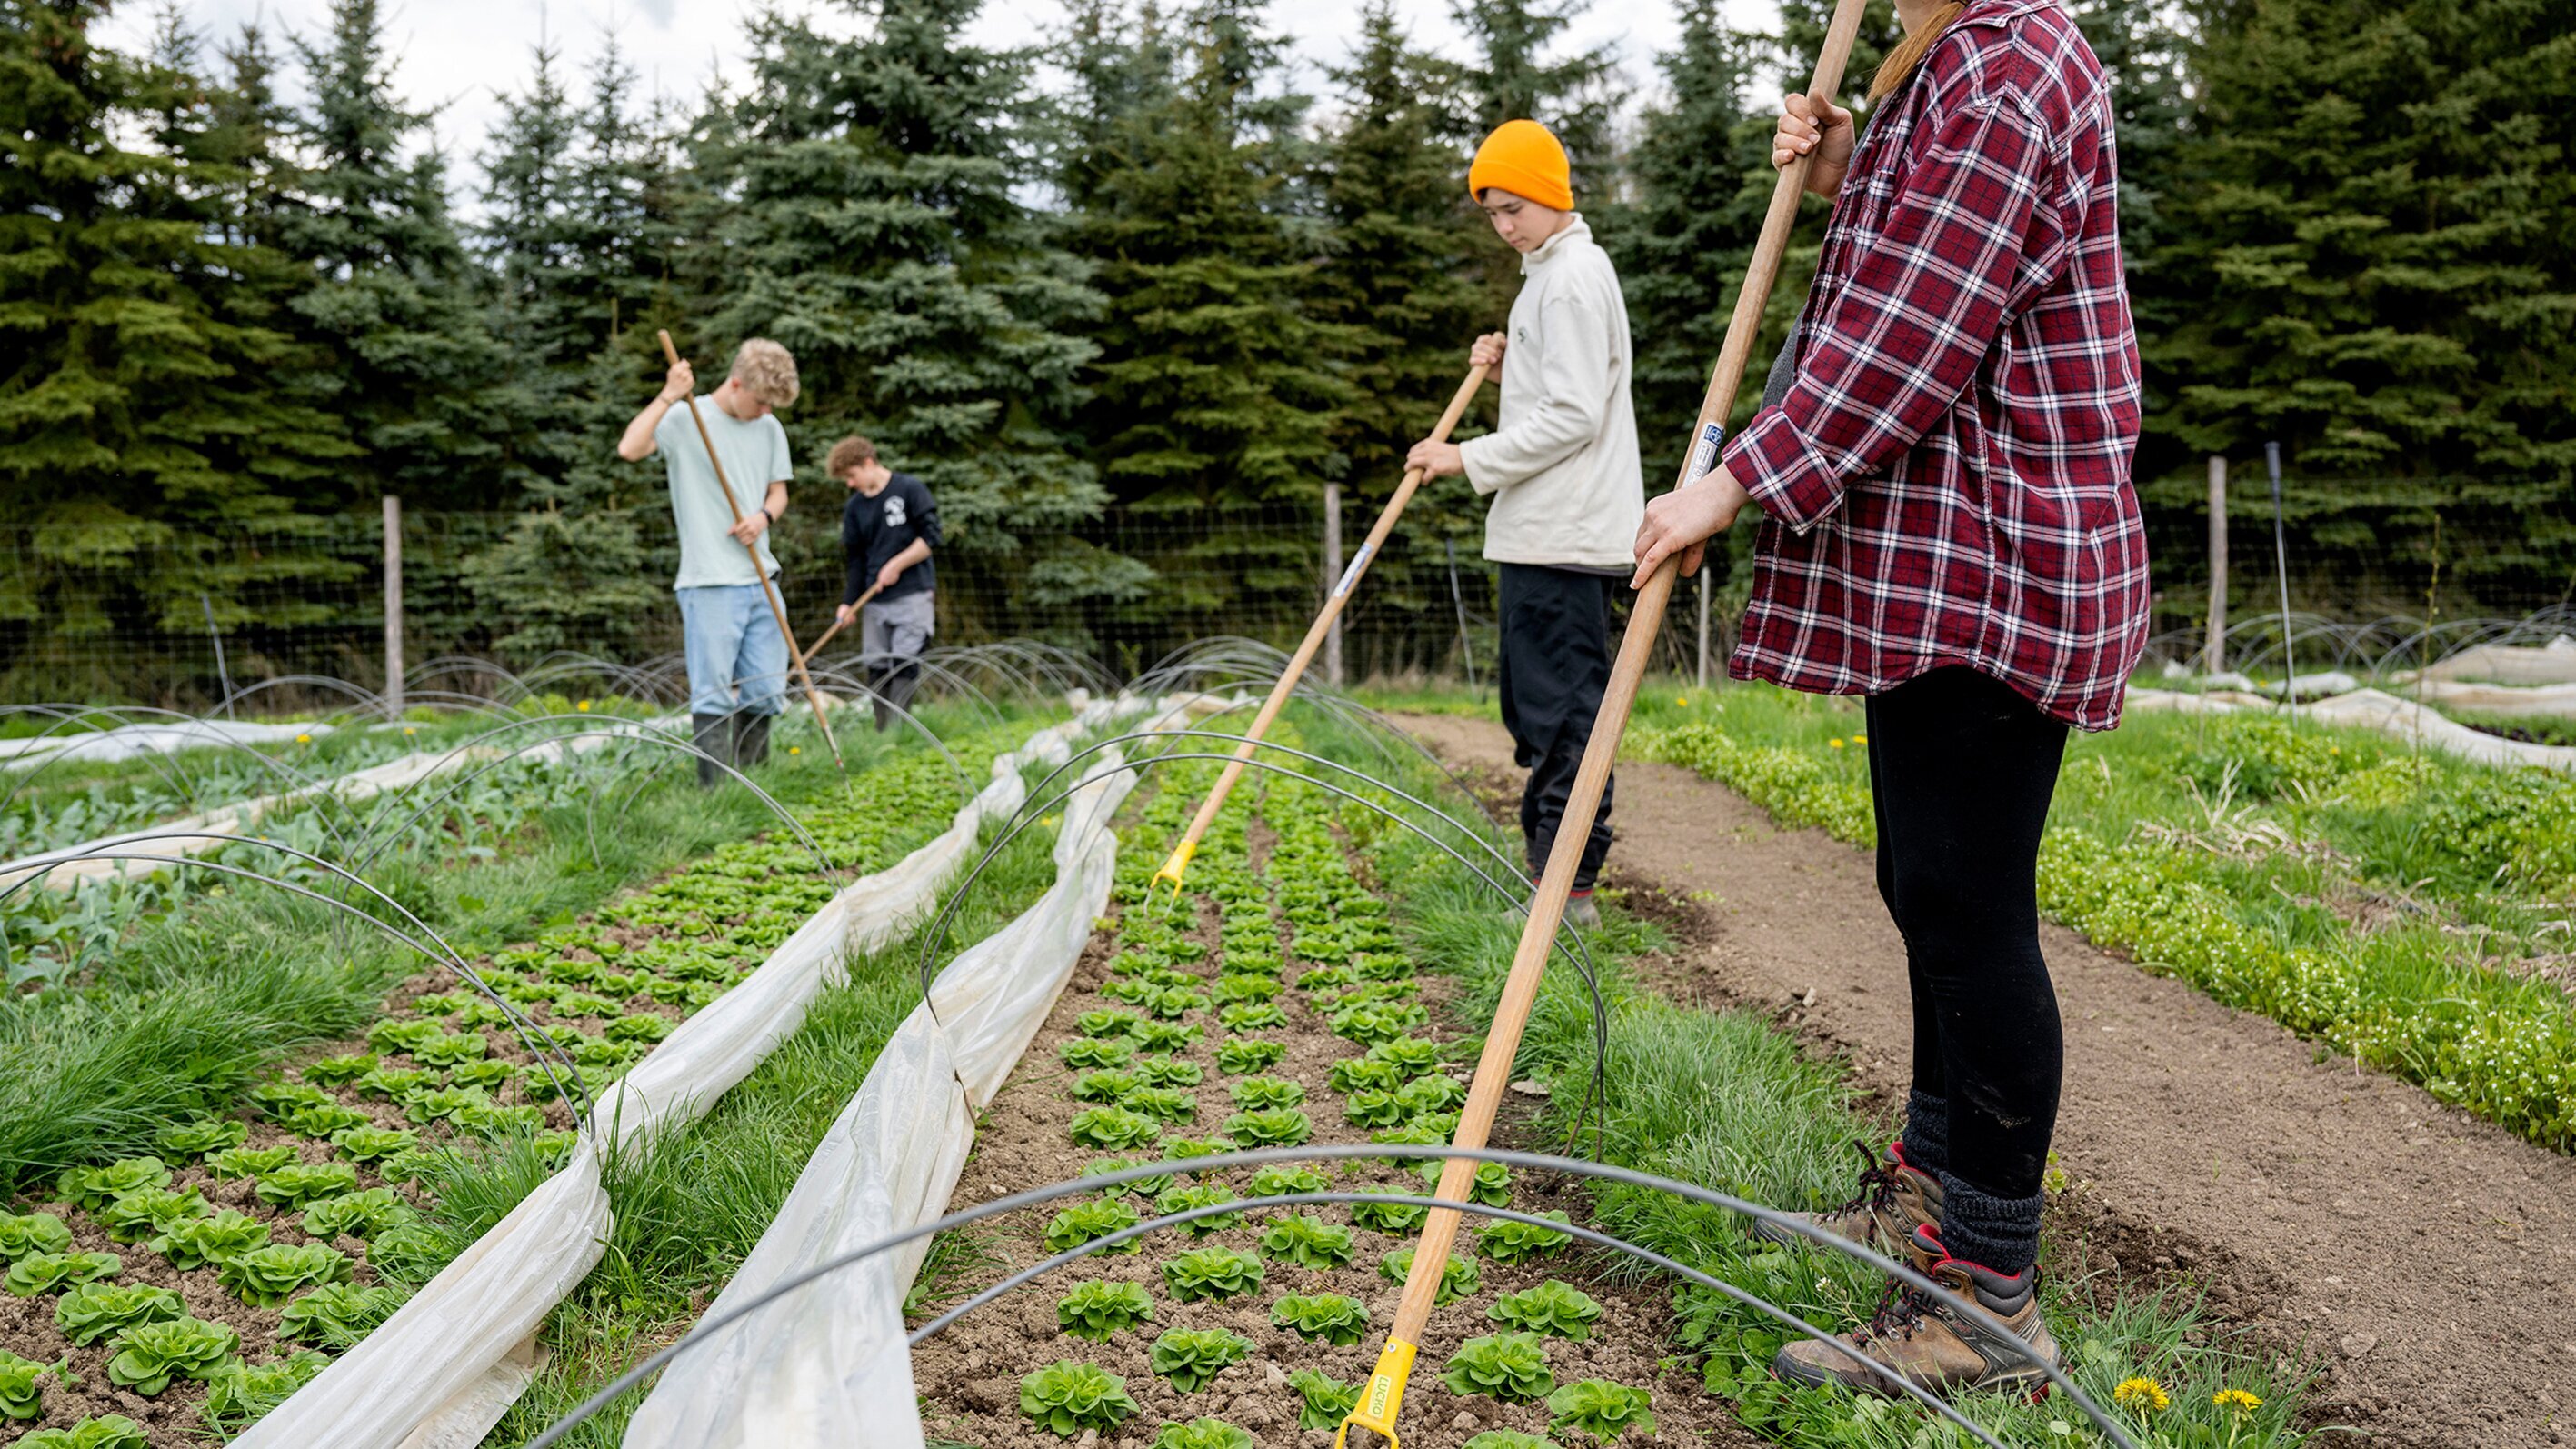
{"x":333,"y":1163}
{"x":1270,"y":1005}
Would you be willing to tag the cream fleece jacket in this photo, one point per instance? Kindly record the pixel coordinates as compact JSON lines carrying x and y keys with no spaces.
{"x":1562,"y":468}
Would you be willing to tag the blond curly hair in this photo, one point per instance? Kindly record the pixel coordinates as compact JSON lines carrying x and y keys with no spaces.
{"x":766,"y":371}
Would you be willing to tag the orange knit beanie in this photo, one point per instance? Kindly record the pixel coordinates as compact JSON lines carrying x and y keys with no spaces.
{"x":1523,"y":158}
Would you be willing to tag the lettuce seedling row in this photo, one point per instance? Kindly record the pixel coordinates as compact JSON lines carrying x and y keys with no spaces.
{"x":196,"y":1287}
{"x":1300,"y":1018}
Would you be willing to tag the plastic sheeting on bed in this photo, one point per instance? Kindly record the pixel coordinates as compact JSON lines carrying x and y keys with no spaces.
{"x":428,"y":1366}
{"x":805,"y":1369}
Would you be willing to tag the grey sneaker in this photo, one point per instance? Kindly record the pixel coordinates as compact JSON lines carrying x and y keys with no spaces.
{"x":1937,"y":1346}
{"x":1894,"y":1199}
{"x":1581,"y":913}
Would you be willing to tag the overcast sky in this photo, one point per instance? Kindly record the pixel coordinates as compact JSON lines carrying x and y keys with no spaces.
{"x":459,"y":54}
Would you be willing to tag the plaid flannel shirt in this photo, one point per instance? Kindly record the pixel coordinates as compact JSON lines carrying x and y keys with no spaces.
{"x":1947,"y":479}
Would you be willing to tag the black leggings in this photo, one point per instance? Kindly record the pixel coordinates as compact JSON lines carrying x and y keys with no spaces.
{"x":1961,"y":769}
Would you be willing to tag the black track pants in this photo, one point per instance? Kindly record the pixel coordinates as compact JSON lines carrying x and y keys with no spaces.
{"x":1556,"y":662}
{"x":1961,"y":769}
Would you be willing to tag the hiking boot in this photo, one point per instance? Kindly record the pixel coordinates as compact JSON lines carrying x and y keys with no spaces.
{"x":750,"y":739}
{"x":1581,"y":913}
{"x":1894,"y":1199}
{"x":1936,"y":1346}
{"x":713,"y":735}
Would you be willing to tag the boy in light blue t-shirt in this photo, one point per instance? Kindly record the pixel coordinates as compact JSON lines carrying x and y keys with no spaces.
{"x":737,"y":658}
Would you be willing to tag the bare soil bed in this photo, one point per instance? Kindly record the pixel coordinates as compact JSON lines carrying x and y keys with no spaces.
{"x":2425,"y":1259}
{"x":970,"y":1375}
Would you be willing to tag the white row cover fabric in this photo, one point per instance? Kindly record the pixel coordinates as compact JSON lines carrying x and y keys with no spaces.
{"x":198,"y":834}
{"x":2551,"y":663}
{"x":438,"y":1356}
{"x":804,"y":1370}
{"x":2372,"y":709}
{"x":127,"y":742}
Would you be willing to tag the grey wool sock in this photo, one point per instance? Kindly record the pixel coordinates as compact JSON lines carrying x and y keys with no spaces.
{"x":1998,"y":1233}
{"x":1926,"y":1138}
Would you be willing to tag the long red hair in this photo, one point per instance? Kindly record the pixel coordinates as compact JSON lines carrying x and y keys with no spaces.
{"x":1901,"y":62}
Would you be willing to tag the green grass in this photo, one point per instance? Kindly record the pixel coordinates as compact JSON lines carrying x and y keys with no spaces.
{"x":2400,"y":907}
{"x":1724,"y":1100}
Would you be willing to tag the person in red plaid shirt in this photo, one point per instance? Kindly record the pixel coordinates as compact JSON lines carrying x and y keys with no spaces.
{"x":1942,"y":465}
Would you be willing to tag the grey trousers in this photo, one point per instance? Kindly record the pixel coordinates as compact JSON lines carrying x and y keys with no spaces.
{"x":892,"y":634}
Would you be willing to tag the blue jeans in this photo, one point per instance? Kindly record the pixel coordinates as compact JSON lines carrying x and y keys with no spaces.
{"x":732,"y":639}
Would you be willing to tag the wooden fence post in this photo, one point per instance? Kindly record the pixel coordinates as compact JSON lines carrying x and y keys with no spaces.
{"x":393,"y":608}
{"x":2214,"y":654}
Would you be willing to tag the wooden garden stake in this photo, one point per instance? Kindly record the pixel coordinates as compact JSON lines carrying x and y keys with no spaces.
{"x":768,"y":585}
{"x":1178,"y":864}
{"x":1383,"y":1398}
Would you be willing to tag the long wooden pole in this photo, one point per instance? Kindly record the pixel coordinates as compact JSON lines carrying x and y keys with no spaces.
{"x":838,"y":625}
{"x":1178,"y":864}
{"x":768,"y":585}
{"x":1384,"y":1396}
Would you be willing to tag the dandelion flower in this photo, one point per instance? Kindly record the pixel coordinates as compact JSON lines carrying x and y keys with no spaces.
{"x":1837,"y":744}
{"x":304,"y":739}
{"x":407,"y":729}
{"x":2144,"y":1394}
{"x":2237,"y":1399}
{"x":584,"y":706}
{"x":1860,"y":739}
{"x":795,"y":749}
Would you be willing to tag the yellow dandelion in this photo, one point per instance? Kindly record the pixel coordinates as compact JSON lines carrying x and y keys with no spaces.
{"x":795,"y":749}
{"x":2237,"y":1399}
{"x":584,"y":706}
{"x":1837,"y":744}
{"x":2144,"y":1394}
{"x":1684,"y":701}
{"x":304,"y":739}
{"x":1860,"y":739}
{"x":407,"y":729}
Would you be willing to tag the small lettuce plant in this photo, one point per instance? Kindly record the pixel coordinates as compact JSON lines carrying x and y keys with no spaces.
{"x":192,"y":1243}
{"x":46,"y":1272}
{"x":1182,"y":1199}
{"x":1278,"y":1127}
{"x":1388,"y":1217}
{"x":1067,"y":1397}
{"x":1601,"y":1410}
{"x":1167,"y":1071}
{"x":1459,"y":1277}
{"x":20,"y":1396}
{"x":240,"y":1394}
{"x":267,"y":1277}
{"x":149,"y":1355}
{"x":1087,"y":1054}
{"x":201,"y":1135}
{"x":107,"y":1431}
{"x":1263,"y":1094}
{"x":337,"y":1315}
{"x":1217,"y":1273}
{"x":1096,"y":1310}
{"x":1553,"y":1307}
{"x":1505,"y":1241}
{"x":1284,"y":1181}
{"x":1511,"y":1367}
{"x":1492,"y":1184}
{"x":1114,"y":1128}
{"x":29,"y":1233}
{"x":1308,"y":1242}
{"x":235,"y":1162}
{"x":1239,"y":1055}
{"x":298,"y":1185}
{"x":1085,"y":1221}
{"x":1322,"y":1400}
{"x":101,"y":1310}
{"x":1202,"y":1434}
{"x":147,"y":1212}
{"x":1329,"y":1317}
{"x":1191,"y":1357}
{"x":95,"y":1187}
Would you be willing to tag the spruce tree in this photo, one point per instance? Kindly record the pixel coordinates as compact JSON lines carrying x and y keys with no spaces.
{"x":874,"y":227}
{"x":1215,"y":400}
{"x":2373,"y":259}
{"x":1400,"y":274}
{"x":1514,"y":78}
{"x":137,"y":409}
{"x":394,"y":301}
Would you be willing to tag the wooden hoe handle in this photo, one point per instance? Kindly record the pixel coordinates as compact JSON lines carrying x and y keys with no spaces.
{"x":768,"y":585}
{"x":1380,"y":1401}
{"x":1178,"y":864}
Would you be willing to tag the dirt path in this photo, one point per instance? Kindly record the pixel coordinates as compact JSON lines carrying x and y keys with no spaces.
{"x":2427,"y":1259}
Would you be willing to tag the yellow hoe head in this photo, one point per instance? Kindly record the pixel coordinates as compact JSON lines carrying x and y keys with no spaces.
{"x":1385,"y":1396}
{"x":1174,"y":868}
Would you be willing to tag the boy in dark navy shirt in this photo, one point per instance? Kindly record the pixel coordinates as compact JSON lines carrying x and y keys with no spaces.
{"x":888,"y":529}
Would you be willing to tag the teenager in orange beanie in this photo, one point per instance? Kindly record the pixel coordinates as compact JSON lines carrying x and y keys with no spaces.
{"x":1562,"y":471}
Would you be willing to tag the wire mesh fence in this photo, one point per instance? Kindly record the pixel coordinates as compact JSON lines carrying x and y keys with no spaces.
{"x":180,"y":619}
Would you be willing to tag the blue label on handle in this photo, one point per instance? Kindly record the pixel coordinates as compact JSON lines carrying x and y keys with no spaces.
{"x":1704,"y":457}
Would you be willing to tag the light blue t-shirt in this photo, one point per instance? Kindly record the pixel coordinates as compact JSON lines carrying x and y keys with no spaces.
{"x":755,"y":456}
